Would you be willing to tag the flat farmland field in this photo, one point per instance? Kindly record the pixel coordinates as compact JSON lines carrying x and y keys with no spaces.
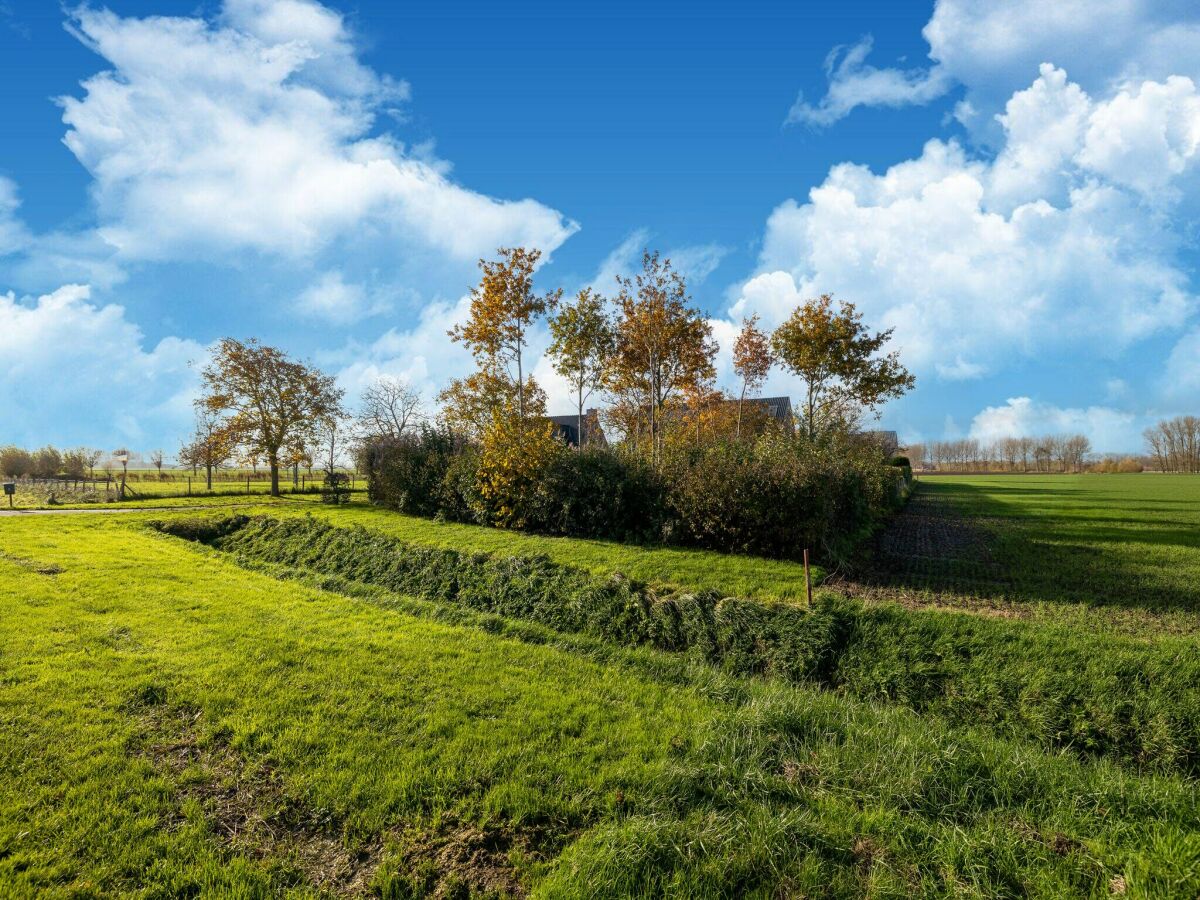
{"x":280,"y":698}
{"x":1108,"y":549}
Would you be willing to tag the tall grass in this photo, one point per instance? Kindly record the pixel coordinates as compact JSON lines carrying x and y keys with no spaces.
{"x":1108,"y":697}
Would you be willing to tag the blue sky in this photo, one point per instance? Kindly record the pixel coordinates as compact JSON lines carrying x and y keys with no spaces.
{"x":1011,"y":187}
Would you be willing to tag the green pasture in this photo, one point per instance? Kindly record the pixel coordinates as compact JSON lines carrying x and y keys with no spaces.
{"x":176,"y":722}
{"x":172,"y":724}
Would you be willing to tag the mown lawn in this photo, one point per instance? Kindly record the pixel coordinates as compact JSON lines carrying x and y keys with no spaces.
{"x":741,"y":576}
{"x":173,"y":724}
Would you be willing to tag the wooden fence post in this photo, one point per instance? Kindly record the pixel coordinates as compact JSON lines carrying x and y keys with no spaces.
{"x":807,"y":577}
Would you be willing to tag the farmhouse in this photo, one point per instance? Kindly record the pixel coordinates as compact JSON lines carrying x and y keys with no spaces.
{"x":566,"y":428}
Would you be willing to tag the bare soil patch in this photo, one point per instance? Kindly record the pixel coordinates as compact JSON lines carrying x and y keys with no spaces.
{"x":247,"y":807}
{"x":932,"y":555}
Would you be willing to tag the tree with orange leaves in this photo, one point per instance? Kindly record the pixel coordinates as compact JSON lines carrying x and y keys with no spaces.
{"x":752,"y":361}
{"x":663,"y":347}
{"x":504,"y":306}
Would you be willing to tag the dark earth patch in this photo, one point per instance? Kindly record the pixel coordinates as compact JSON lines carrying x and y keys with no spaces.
{"x":456,"y":860}
{"x":246,"y":805}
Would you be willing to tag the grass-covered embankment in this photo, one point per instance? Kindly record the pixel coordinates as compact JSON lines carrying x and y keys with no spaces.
{"x":1132,"y":701}
{"x":174,"y":724}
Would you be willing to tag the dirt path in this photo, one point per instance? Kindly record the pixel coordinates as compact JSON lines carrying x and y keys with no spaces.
{"x":931,"y":555}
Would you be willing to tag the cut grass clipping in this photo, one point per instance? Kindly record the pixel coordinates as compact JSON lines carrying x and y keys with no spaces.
{"x":1123,"y":699}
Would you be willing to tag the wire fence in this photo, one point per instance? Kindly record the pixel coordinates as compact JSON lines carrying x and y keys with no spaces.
{"x":145,"y":486}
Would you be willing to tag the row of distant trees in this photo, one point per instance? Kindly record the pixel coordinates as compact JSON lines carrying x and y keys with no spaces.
{"x":1174,"y":444}
{"x":77,"y":463}
{"x":1049,"y":453}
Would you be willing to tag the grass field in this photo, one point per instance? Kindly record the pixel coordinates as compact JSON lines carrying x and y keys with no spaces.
{"x":174,"y":722}
{"x":1120,"y":550}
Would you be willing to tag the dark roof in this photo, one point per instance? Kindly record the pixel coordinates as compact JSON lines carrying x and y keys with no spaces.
{"x":568,"y":427}
{"x":889,"y":440}
{"x":778,"y":408}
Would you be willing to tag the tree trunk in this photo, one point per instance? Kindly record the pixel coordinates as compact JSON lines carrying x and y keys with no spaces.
{"x":579,"y":437}
{"x":273,"y":459}
{"x":208,"y":476}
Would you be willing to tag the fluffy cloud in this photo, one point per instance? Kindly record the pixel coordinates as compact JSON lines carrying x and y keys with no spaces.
{"x":1059,"y":241}
{"x":259,"y":132}
{"x":994,"y":48}
{"x":1110,"y":430}
{"x":146,"y":393}
{"x":333,"y":299}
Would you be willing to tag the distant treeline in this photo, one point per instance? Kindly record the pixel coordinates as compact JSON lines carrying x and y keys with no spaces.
{"x":48,"y":462}
{"x":1174,"y":444}
{"x":1049,"y":453}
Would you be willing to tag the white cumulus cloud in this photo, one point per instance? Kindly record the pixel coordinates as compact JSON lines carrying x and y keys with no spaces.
{"x":1110,"y":430}
{"x":1057,"y":242}
{"x":63,"y":357}
{"x":259,"y":131}
{"x":992,"y":49}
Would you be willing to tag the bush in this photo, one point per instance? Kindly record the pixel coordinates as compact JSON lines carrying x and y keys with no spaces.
{"x":601,"y":493}
{"x":902,"y":463}
{"x":1095,"y":695}
{"x":408,"y":473}
{"x":772,"y":497}
{"x":776,"y":497}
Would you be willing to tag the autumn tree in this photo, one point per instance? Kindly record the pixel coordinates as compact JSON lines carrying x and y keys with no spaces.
{"x":582,"y":341}
{"x":469,"y":404}
{"x":663,"y":346}
{"x":837,"y":357}
{"x":210,"y":445}
{"x":504,"y":306}
{"x":752,"y":361}
{"x":389,"y":407}
{"x":268,"y":401}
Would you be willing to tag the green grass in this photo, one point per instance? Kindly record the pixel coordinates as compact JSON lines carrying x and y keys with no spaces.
{"x":173,"y":723}
{"x":1112,"y":539}
{"x":153,"y":695}
{"x":693,"y":569}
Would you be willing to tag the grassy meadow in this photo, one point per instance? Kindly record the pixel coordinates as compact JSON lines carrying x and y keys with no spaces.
{"x":182,"y":720}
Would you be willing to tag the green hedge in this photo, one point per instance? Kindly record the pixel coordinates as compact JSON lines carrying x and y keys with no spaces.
{"x":1102,"y":696}
{"x":773,"y":496}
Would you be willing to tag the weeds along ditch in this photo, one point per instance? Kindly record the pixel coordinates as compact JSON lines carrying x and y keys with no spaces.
{"x":1133,"y":702}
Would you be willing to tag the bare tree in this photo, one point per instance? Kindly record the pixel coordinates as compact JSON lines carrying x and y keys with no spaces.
{"x":389,"y":408}
{"x":156,"y":459}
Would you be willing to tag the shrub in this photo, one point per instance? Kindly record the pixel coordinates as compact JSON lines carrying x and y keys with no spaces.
{"x":514,"y":458}
{"x":601,"y":493}
{"x":902,"y":463}
{"x":407,"y":473}
{"x":774,"y":497}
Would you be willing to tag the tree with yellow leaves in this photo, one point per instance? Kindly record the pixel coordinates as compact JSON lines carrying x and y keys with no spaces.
{"x":582,"y":343}
{"x":663,"y":345}
{"x":836,"y":355}
{"x":504,"y":306}
{"x":752,"y":361}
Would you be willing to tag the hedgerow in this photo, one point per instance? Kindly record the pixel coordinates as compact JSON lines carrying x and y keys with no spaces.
{"x":773,"y":496}
{"x":1120,"y":699}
